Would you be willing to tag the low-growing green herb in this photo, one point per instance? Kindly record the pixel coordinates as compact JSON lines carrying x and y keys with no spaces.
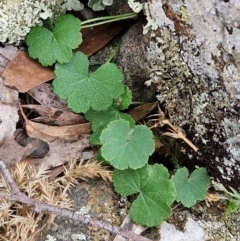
{"x":101,"y":119}
{"x":125,"y":99}
{"x":125,"y":147}
{"x":155,"y":193}
{"x":193,"y":188}
{"x":101,"y":95}
{"x":51,"y":46}
{"x":232,"y":196}
{"x":84,"y":90}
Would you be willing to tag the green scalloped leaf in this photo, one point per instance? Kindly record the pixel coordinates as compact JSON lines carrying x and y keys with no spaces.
{"x":49,"y":47}
{"x":155,"y":193}
{"x":85,"y":91}
{"x":193,"y":188}
{"x":101,"y":119}
{"x":125,"y":99}
{"x":125,"y":147}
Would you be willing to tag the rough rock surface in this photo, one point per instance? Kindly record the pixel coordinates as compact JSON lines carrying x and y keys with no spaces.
{"x":194,"y":62}
{"x":134,"y":64}
{"x":200,"y":223}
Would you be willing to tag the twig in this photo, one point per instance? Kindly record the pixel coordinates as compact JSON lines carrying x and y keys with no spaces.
{"x":8,"y":103}
{"x":176,"y":131}
{"x":37,"y":206}
{"x":178,"y":134}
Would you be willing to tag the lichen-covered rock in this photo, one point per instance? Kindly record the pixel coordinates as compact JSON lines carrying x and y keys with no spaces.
{"x":194,"y":59}
{"x":18,"y":16}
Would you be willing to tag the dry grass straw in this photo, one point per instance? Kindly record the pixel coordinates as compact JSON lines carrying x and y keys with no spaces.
{"x":18,"y":222}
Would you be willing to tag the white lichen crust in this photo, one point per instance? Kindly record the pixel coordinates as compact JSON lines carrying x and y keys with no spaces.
{"x":18,"y":16}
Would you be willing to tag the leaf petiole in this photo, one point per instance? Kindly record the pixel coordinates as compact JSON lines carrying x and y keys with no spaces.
{"x":114,"y":52}
{"x":106,"y":19}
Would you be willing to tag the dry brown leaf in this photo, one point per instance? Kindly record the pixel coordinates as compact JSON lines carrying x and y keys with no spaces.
{"x":44,"y":95}
{"x":55,"y":116}
{"x":97,"y":37}
{"x":9,"y":52}
{"x":61,"y":152}
{"x":142,"y":111}
{"x":23,"y":139}
{"x":50,"y":133}
{"x":12,"y":152}
{"x":8,"y":98}
{"x":25,"y":73}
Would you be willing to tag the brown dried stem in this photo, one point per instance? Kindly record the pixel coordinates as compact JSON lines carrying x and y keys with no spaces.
{"x":38,"y":207}
{"x":176,"y":132}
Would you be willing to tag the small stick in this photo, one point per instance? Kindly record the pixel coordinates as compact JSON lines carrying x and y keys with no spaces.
{"x":177,"y":133}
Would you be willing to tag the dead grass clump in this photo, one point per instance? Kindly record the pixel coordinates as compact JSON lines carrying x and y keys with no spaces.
{"x":18,"y":222}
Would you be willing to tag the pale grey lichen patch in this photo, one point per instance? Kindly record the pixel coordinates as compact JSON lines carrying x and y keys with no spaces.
{"x":83,"y":211}
{"x":78,"y":237}
{"x":135,"y":6}
{"x":98,"y":5}
{"x":158,"y":14}
{"x":151,"y":23}
{"x":50,"y":238}
{"x":17,"y":17}
{"x":216,"y":230}
{"x":216,"y":27}
{"x":169,"y":73}
{"x":234,"y":143}
{"x":184,"y":15}
{"x":72,"y":5}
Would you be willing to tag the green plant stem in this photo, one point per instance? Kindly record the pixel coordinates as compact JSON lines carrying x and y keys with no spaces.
{"x":114,"y":52}
{"x":106,"y":19}
{"x":174,"y":158}
{"x":48,"y":23}
{"x":138,"y":103}
{"x":127,"y":15}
